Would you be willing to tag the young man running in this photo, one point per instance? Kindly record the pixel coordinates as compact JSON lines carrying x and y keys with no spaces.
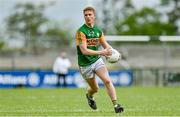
{"x":88,"y":40}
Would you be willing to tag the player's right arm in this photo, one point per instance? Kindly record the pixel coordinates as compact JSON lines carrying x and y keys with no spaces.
{"x":81,"y":41}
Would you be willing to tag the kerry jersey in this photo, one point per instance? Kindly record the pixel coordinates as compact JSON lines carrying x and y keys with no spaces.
{"x":92,"y":37}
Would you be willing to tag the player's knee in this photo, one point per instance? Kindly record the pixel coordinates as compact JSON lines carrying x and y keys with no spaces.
{"x":96,"y":89}
{"x":107,"y":82}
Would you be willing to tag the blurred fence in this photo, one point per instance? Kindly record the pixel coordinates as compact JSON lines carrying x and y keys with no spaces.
{"x":150,"y":59}
{"x":154,"y":60}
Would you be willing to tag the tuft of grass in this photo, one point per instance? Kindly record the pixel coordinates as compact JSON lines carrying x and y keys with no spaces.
{"x":137,"y":101}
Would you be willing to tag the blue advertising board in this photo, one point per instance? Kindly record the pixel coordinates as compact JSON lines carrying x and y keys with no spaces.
{"x":46,"y":78}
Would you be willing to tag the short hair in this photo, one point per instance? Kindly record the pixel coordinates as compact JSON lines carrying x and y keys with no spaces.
{"x":89,"y":8}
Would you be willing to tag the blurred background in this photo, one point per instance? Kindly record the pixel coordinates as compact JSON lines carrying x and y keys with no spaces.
{"x":34,"y":32}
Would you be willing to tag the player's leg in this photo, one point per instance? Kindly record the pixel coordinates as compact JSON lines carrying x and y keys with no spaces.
{"x":91,"y":90}
{"x":89,"y":76}
{"x":102,"y":72}
{"x":92,"y":86}
{"x":104,"y":76}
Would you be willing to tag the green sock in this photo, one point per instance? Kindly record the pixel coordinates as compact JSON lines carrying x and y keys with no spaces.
{"x":114,"y":102}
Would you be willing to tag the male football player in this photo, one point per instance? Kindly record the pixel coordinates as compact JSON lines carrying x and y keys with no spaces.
{"x":88,"y":40}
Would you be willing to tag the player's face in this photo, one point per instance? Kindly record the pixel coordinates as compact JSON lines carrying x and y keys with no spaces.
{"x":89,"y":17}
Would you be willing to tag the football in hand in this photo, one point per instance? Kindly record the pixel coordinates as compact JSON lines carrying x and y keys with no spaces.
{"x":114,"y":57}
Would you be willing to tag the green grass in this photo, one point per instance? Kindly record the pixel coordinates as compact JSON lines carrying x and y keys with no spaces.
{"x":138,"y":101}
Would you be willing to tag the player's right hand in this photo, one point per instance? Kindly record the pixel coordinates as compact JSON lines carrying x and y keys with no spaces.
{"x":106,"y":52}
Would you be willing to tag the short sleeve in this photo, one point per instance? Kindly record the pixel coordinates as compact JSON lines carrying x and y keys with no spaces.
{"x":102,"y":38}
{"x":80,"y":38}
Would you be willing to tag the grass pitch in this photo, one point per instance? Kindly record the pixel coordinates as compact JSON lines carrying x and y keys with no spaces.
{"x":138,"y":101}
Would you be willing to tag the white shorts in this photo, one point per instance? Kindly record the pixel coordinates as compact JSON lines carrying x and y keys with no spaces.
{"x":89,"y":71}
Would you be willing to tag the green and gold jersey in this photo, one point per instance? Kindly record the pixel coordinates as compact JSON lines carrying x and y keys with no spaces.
{"x":92,"y":37}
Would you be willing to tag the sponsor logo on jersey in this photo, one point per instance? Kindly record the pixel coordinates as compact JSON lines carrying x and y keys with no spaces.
{"x":93,"y":41}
